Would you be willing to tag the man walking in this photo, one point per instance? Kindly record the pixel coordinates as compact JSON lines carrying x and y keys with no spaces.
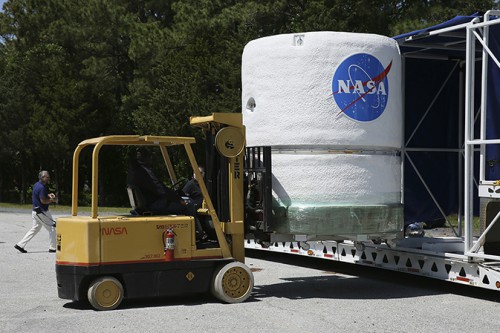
{"x":41,"y":199}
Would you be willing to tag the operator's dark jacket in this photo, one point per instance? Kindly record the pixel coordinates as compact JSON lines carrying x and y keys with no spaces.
{"x":192,"y":188}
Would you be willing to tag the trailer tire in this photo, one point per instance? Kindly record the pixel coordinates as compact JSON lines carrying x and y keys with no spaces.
{"x":232,"y":283}
{"x":105,"y":293}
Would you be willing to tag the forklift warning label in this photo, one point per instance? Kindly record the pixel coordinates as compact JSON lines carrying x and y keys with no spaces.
{"x":175,"y":226}
{"x":360,"y":87}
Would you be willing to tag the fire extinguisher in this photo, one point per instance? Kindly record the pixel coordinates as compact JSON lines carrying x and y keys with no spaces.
{"x":168,"y":243}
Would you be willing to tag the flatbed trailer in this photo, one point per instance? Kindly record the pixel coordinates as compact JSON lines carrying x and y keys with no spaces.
{"x":433,"y":262}
{"x":472,"y":44}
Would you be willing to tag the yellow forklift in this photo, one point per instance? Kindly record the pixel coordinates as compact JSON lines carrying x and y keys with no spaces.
{"x":106,"y":258}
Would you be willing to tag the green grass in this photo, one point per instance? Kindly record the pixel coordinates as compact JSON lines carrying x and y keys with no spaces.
{"x":61,"y":209}
{"x":475,"y":224}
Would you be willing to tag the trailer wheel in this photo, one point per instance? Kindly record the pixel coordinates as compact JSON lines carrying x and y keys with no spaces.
{"x":232,"y":283}
{"x":105,"y":293}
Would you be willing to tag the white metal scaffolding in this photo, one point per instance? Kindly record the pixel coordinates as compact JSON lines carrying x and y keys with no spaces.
{"x":477,"y":32}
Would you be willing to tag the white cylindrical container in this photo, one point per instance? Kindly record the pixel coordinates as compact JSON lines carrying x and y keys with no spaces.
{"x":330,"y":106}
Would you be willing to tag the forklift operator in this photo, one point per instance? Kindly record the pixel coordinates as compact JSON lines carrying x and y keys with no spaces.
{"x":192,"y":189}
{"x":160,"y":200}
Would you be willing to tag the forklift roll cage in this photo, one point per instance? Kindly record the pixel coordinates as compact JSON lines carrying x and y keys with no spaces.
{"x":213,"y":122}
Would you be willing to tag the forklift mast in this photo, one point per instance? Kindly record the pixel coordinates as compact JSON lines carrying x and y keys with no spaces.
{"x":258,"y":192}
{"x":225,"y":135}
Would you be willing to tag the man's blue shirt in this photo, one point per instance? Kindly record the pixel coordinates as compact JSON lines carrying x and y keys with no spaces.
{"x":39,"y":191}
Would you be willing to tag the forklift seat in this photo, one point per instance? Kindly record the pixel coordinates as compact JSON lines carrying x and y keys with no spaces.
{"x":137,"y":201}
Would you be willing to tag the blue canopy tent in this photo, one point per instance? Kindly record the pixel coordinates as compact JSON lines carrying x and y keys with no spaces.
{"x":434,"y":61}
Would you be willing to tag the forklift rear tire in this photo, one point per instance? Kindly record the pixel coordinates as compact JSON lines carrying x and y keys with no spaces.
{"x":232,"y":283}
{"x":105,"y":293}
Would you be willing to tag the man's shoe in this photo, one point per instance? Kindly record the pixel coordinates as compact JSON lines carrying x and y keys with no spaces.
{"x":52,"y":251}
{"x":20,"y":249}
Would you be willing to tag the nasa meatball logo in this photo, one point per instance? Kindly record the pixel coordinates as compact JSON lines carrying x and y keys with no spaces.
{"x":360,"y":87}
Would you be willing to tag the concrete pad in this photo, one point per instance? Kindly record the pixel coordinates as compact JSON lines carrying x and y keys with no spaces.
{"x":291,"y":293}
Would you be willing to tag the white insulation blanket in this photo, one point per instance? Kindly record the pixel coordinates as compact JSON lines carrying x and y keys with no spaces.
{"x":290,"y":84}
{"x":339,"y":179}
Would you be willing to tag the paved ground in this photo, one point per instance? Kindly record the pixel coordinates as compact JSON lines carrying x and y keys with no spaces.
{"x":291,"y":294}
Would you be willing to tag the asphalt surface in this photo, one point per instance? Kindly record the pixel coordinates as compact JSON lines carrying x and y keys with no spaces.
{"x":291,"y":294}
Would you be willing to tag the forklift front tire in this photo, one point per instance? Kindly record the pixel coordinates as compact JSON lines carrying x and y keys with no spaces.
{"x":232,"y":283}
{"x":105,"y":293}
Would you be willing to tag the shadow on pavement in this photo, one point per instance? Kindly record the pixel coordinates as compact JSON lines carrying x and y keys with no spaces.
{"x":362,"y":283}
{"x":185,"y":300}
